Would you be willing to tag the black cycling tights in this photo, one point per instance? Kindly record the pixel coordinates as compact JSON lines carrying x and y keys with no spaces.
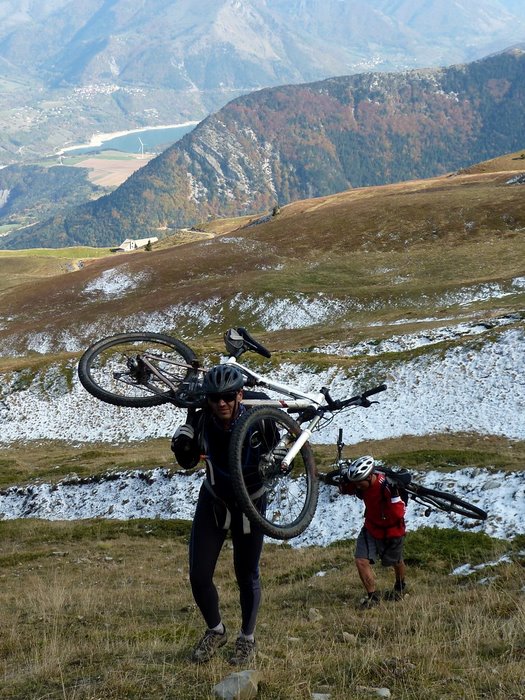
{"x":207,"y":539}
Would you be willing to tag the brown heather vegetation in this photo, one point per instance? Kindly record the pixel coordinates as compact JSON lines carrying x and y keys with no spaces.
{"x":103,"y":610}
{"x":401,"y":244}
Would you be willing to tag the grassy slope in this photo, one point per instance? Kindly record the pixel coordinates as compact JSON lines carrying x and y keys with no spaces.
{"x":397,"y":245}
{"x":51,"y":461}
{"x":104,"y":610}
{"x":25,"y":267}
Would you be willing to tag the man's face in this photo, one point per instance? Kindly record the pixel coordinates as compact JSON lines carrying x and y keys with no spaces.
{"x":364,"y":484}
{"x":224,"y":406}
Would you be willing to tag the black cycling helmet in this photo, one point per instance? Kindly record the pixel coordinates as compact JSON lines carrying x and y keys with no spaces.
{"x":223,"y":378}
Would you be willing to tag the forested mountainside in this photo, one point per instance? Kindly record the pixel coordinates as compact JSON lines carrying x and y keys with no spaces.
{"x":36,"y":191}
{"x":293,"y":142}
{"x":71,"y":68}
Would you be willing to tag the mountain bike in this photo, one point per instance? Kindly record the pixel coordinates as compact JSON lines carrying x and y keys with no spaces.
{"x":141,"y":370}
{"x":409,"y":490}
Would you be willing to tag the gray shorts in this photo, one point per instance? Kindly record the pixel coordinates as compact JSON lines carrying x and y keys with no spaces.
{"x":389,"y":551}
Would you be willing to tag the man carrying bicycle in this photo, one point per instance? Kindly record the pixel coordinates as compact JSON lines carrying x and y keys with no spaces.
{"x":383,"y":533}
{"x":208,"y":433}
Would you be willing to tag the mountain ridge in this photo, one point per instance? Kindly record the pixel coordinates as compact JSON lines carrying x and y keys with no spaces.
{"x":100,"y":41}
{"x":280,"y":144}
{"x":71,"y":70}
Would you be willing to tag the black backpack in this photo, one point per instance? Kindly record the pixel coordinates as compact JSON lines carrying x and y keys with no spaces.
{"x":396,"y":480}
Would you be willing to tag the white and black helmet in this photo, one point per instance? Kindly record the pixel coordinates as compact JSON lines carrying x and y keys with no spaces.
{"x":222,"y":379}
{"x":359,"y":469}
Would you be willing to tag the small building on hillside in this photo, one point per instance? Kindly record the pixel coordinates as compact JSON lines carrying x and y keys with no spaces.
{"x":133,"y":244}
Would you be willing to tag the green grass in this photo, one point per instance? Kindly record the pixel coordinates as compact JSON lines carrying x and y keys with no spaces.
{"x":103,"y":609}
{"x":23,"y":269}
{"x":73,"y":253}
{"x":52,"y":460}
{"x":448,"y":459}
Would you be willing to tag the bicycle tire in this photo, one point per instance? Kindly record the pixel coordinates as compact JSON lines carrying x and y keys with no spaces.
{"x":291,"y":497}
{"x":331,"y":478}
{"x":447,"y":502}
{"x":108,"y":371}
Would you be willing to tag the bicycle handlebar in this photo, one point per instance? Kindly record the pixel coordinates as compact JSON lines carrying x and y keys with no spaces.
{"x":359,"y":400}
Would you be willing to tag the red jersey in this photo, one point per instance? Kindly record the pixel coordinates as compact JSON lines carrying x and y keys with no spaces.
{"x":384,"y":511}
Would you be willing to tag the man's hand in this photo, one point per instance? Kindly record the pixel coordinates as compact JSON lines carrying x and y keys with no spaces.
{"x":279,"y":453}
{"x":182,"y":437}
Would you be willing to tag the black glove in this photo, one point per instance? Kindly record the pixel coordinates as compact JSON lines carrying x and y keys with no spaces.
{"x":183,"y":438}
{"x":279,"y":453}
{"x":343,"y":472}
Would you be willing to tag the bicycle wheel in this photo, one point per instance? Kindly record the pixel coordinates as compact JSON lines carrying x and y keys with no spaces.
{"x":331,"y":478}
{"x":447,"y":502}
{"x":141,"y":370}
{"x":290,"y":495}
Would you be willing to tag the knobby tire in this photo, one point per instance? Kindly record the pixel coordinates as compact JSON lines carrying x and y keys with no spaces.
{"x":291,"y":498}
{"x":104,"y":373}
{"x":447,"y":502}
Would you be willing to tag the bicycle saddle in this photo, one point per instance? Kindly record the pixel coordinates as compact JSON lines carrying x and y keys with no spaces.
{"x":238,"y":340}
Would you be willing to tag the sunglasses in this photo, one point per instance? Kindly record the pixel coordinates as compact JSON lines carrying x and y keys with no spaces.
{"x":228,"y":397}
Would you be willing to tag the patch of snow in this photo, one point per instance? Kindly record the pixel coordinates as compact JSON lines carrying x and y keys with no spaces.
{"x":516,"y":180}
{"x":114,"y":283}
{"x":468,"y":569}
{"x":482,"y":292}
{"x":462,"y":389}
{"x":473,"y":388}
{"x":297,"y":311}
{"x":49,"y":408}
{"x":161,"y":493}
{"x":158,"y":493}
{"x":410,"y":341}
{"x":293,"y":312}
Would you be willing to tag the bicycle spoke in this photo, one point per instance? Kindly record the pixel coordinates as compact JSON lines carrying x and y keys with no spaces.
{"x":138,"y":369}
{"x":259,"y":444}
{"x":137,"y":379}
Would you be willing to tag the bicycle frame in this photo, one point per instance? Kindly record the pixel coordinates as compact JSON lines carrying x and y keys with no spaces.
{"x":300,"y":400}
{"x":318,"y":403}
{"x":142,"y":369}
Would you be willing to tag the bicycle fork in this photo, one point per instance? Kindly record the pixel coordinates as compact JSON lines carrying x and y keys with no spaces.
{"x":294,"y":450}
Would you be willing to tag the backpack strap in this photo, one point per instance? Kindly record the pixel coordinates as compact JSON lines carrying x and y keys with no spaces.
{"x":223,"y":516}
{"x":391,"y":485}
